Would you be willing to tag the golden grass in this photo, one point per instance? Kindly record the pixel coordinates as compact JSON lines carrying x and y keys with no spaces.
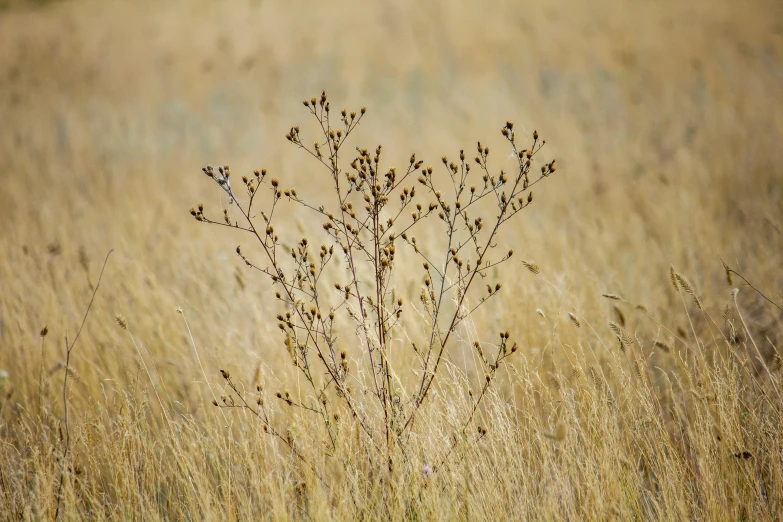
{"x":666,"y":120}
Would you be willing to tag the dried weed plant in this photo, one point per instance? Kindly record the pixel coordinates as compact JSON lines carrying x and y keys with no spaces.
{"x":372,"y":213}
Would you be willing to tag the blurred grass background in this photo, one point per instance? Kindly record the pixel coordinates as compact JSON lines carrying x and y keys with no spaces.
{"x":665,"y":118}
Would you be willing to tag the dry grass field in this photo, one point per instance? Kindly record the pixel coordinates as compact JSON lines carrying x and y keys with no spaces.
{"x":666,"y":122}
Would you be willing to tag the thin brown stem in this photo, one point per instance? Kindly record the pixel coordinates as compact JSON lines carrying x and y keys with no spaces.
{"x":68,"y":350}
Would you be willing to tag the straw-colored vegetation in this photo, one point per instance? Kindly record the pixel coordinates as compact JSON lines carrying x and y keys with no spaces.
{"x":621,"y":362}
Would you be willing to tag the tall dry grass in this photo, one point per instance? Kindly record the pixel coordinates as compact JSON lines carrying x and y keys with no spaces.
{"x":665,"y":119}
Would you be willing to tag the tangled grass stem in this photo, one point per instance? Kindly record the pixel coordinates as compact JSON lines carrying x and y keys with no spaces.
{"x":68,"y":349}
